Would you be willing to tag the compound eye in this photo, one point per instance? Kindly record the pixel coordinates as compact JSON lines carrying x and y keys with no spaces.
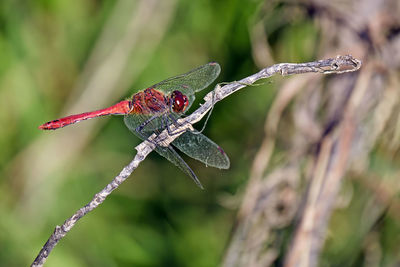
{"x":179,"y":101}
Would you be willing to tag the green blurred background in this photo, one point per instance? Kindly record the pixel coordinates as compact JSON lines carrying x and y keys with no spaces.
{"x":59,"y":57}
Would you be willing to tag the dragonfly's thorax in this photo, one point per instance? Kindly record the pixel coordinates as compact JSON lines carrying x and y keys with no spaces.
{"x":149,"y":101}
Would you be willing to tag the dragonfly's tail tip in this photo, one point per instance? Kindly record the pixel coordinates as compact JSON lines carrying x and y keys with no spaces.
{"x":47,"y":126}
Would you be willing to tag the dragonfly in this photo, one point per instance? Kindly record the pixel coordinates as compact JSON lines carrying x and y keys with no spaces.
{"x":158,"y":107}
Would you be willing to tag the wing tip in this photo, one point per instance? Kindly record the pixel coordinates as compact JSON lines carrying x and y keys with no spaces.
{"x":196,"y":180}
{"x":226,"y":162}
{"x":217,"y":67}
{"x":225,"y":166}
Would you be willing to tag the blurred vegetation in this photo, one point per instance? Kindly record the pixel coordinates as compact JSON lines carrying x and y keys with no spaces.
{"x":50,"y":51}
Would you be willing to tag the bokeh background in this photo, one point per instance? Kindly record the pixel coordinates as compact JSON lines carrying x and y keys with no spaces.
{"x":59,"y":57}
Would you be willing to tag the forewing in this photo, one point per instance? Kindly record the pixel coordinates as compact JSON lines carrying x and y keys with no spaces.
{"x":192,"y":81}
{"x":200,"y":147}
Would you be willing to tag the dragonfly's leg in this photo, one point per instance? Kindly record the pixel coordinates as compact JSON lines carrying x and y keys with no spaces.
{"x":175,"y":122}
{"x":144,"y":124}
{"x":164,"y":123}
{"x":144,"y":137}
{"x":140,"y":128}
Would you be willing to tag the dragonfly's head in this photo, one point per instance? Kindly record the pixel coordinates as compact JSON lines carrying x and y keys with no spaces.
{"x":179,"y":102}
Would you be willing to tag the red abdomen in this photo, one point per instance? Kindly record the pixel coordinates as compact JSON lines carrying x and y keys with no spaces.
{"x":121,"y":108}
{"x":147,"y":102}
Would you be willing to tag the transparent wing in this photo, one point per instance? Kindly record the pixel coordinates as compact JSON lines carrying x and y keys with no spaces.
{"x":192,"y":81}
{"x":155,"y":122}
{"x":170,"y":154}
{"x":192,"y":143}
{"x":200,"y":147}
{"x":132,"y":122}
